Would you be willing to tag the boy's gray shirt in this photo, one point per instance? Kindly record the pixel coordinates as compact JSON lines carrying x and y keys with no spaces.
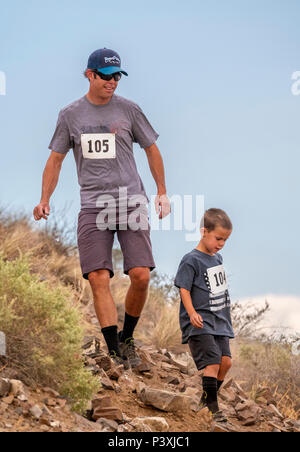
{"x":120,"y":118}
{"x":204,"y":276}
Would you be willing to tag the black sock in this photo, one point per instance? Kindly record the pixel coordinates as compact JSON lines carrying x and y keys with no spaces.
{"x":129,"y":326}
{"x":210,"y":393}
{"x":110,"y":334}
{"x":219,"y":384}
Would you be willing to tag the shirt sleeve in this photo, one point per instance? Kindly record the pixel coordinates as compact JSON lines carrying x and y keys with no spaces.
{"x":185,"y":276}
{"x":143,"y":132}
{"x":61,"y":140}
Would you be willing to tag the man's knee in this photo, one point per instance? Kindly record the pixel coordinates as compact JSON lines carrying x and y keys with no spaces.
{"x":99,"y":278}
{"x":140,"y":277}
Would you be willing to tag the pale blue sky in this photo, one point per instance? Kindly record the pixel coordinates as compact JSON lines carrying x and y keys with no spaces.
{"x":213,"y":77}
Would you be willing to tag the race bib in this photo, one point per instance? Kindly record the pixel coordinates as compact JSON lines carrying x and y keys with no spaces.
{"x":217,"y":279}
{"x":98,"y":145}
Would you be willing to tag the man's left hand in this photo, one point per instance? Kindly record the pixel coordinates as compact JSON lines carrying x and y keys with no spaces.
{"x":162,"y":206}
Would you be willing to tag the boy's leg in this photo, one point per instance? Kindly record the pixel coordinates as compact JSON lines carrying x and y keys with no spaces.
{"x":207,"y":356}
{"x":225,"y":366}
{"x":226,"y":363}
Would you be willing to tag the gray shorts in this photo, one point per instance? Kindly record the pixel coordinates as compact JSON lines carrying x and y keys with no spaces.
{"x":95,"y":245}
{"x":207,"y":349}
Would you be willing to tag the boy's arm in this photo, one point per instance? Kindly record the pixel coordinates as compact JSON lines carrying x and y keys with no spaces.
{"x":195,"y":318}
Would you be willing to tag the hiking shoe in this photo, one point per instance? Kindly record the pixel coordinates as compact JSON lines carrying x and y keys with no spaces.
{"x":119,"y":360}
{"x":218,"y":416}
{"x":203,"y":403}
{"x":127,"y":349}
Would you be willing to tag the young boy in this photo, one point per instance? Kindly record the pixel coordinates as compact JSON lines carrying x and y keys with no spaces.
{"x":205,"y":319}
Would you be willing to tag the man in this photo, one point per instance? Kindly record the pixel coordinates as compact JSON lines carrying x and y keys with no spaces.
{"x":101,"y":127}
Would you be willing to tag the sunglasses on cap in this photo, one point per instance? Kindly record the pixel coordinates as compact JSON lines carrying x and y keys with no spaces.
{"x":116,"y":76}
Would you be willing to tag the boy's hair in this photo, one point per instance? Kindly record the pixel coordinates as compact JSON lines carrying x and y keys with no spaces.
{"x":213,"y":218}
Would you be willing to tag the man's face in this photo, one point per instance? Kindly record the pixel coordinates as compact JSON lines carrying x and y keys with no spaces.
{"x":101,"y":87}
{"x":216,"y":239}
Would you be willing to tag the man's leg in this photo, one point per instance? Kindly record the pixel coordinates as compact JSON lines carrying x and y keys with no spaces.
{"x":135,"y":299}
{"x":105,"y":308}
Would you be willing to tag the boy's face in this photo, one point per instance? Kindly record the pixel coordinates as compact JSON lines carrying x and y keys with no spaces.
{"x":215,"y":240}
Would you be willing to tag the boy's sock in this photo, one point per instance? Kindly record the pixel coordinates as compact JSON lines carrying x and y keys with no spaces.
{"x":129,"y":326}
{"x":110,"y":334}
{"x":219,"y":384}
{"x":210,"y":393}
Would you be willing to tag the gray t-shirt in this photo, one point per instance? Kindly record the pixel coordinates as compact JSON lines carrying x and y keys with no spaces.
{"x":204,"y":276}
{"x":102,"y":138}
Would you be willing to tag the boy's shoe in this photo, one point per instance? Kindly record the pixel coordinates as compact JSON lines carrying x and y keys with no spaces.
{"x":127,"y":349}
{"x":119,"y":360}
{"x":219,"y":416}
{"x":202,"y":403}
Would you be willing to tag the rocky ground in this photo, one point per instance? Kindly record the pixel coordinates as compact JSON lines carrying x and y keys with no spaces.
{"x":161,"y":395}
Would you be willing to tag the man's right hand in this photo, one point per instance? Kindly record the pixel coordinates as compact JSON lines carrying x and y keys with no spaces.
{"x":42,"y":210}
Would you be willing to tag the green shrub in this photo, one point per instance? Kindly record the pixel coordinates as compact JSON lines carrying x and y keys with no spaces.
{"x":44,"y":332}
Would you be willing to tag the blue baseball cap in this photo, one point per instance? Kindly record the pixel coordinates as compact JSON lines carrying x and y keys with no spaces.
{"x":106,"y":61}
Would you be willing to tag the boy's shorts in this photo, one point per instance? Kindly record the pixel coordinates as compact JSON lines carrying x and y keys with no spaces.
{"x":95,"y":246}
{"x":207,"y":349}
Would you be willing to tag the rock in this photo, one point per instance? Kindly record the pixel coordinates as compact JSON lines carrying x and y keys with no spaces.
{"x":238,"y":389}
{"x":9,"y":399}
{"x":227,"y":383}
{"x":84,"y":424}
{"x":228,"y":395}
{"x":219,"y":428}
{"x":36,"y":411}
{"x":125,"y":428}
{"x":139,"y":387}
{"x":118,"y":388}
{"x":155,"y":424}
{"x":101,"y":402}
{"x":3,"y":408}
{"x":278,"y":428}
{"x":164,"y":400}
{"x":264,"y":394}
{"x":106,"y":383}
{"x":143,"y":367}
{"x":127,"y":381}
{"x":49,"y":402}
{"x":108,"y":425}
{"x":4,"y":387}
{"x":248,"y":412}
{"x":102,"y":407}
{"x":2,"y":344}
{"x":182,"y":386}
{"x":166,"y":366}
{"x":172,"y":380}
{"x":51,"y":391}
{"x":276,"y":412}
{"x":109,"y":413}
{"x":104,"y":362}
{"x":115,"y":372}
{"x":182,"y":366}
{"x":146,"y":357}
{"x":193,"y":392}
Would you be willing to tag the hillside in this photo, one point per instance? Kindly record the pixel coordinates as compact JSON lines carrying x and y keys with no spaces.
{"x":260,"y":394}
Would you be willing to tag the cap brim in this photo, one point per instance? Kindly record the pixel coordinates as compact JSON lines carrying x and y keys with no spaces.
{"x":111,"y":70}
